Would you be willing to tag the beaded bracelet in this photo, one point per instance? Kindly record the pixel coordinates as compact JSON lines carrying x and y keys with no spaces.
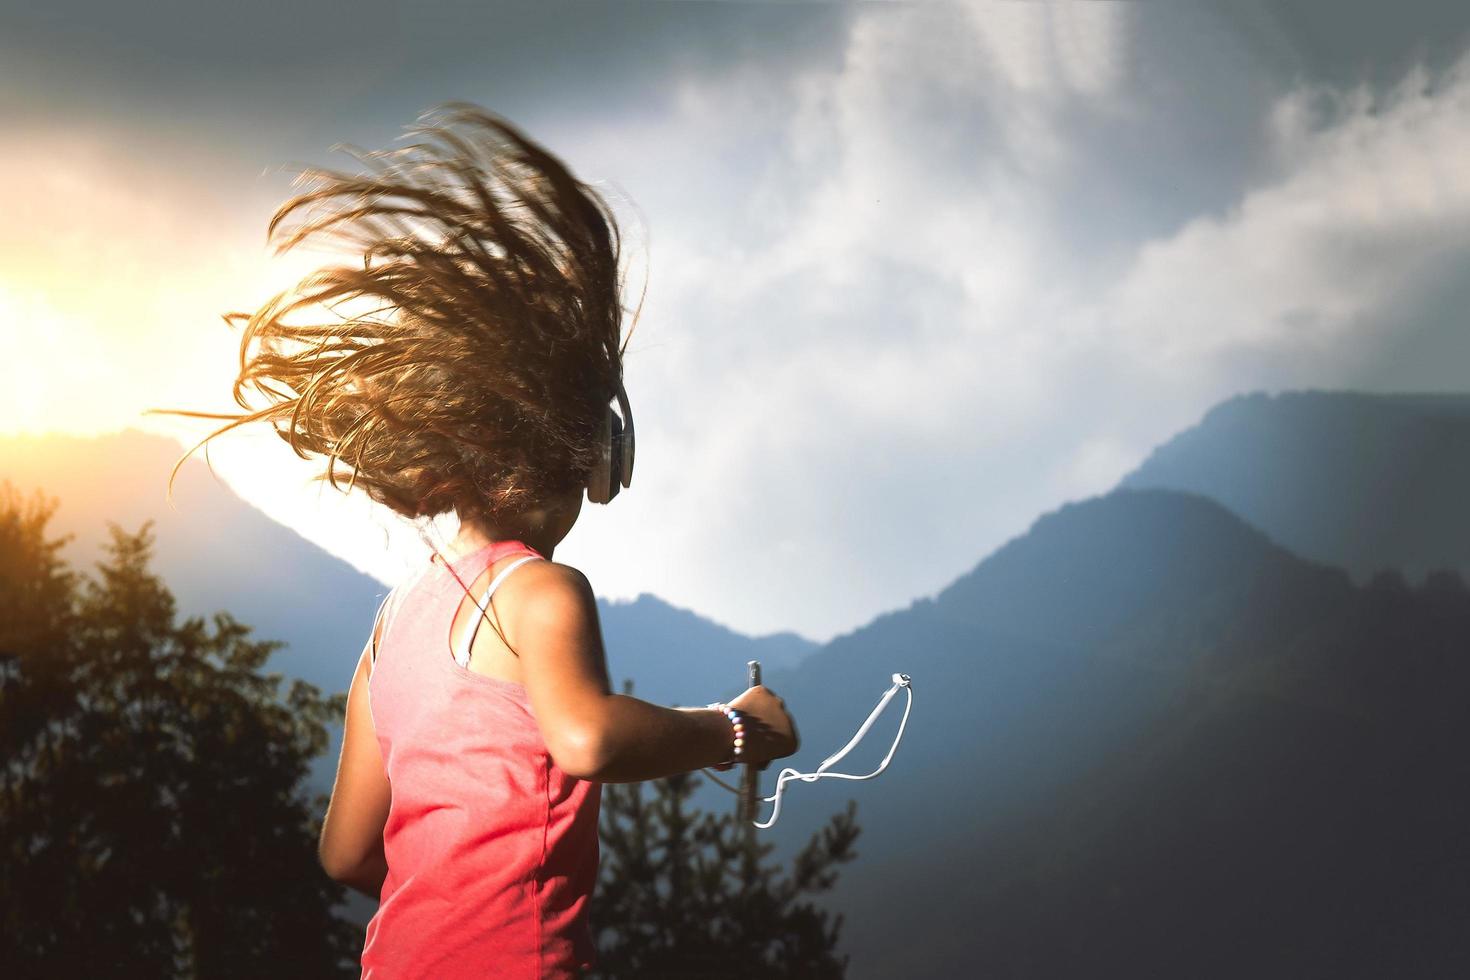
{"x":737,"y":719}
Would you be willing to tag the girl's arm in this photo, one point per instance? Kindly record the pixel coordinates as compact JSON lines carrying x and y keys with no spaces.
{"x":351,"y":846}
{"x":592,"y":733}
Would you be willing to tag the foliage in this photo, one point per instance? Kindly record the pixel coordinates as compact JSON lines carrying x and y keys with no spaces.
{"x":152,"y":815}
{"x":685,"y":894}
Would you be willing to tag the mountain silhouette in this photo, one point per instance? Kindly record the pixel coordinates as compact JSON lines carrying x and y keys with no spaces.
{"x":1147,"y":740}
{"x":1363,"y":481}
{"x":676,"y":656}
{"x":214,"y":550}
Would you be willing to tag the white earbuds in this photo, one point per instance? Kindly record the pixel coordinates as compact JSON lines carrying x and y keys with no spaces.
{"x":788,"y":774}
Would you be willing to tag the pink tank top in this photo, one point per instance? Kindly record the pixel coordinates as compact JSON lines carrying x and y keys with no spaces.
{"x":492,"y":849}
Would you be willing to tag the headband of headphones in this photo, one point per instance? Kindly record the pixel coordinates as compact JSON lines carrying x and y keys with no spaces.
{"x":614,"y":467}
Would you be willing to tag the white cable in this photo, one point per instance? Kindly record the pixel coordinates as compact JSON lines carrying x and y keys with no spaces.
{"x":788,"y":774}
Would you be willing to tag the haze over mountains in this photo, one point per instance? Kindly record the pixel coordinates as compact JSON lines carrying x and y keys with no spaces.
{"x":1185,"y":728}
{"x":1362,"y":481}
{"x":212,"y":549}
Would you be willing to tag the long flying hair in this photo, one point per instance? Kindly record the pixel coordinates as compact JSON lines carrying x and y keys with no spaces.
{"x":479,"y":374}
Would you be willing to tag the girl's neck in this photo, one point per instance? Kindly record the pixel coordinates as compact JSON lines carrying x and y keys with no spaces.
{"x":541,"y":528}
{"x":473,"y":537}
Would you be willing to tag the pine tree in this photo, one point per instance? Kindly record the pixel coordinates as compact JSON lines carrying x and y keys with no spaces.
{"x":686,"y":894}
{"x":152,"y":817}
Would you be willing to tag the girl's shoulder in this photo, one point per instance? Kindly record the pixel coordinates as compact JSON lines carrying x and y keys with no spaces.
{"x":545,"y":580}
{"x":545,"y":593}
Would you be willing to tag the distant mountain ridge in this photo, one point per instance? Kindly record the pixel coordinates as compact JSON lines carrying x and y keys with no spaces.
{"x":1073,"y":695}
{"x":676,"y":656}
{"x":1363,"y":481}
{"x":212,"y":549}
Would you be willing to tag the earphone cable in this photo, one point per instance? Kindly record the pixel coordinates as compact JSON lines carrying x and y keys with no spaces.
{"x":788,"y":774}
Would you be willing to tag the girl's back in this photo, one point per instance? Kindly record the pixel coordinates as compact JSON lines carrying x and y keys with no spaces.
{"x":492,"y":849}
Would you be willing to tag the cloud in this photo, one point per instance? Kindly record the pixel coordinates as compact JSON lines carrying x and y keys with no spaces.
{"x":902,"y":298}
{"x":95,"y":253}
{"x":117,"y":259}
{"x":1369,"y":200}
{"x":918,"y":356}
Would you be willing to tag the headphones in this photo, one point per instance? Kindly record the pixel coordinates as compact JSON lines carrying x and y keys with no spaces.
{"x":614,"y":466}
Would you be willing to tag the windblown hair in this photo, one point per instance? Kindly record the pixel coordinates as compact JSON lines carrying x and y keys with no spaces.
{"x":480,"y":376}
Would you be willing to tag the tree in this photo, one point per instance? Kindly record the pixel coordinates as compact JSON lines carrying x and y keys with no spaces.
{"x":685,"y":894}
{"x":152,"y":816}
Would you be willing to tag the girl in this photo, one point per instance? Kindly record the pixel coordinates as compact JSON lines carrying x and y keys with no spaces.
{"x":479,"y":381}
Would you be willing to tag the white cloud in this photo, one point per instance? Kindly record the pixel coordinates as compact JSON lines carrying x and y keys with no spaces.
{"x":901,"y":304}
{"x":919,"y":359}
{"x":1370,"y":197}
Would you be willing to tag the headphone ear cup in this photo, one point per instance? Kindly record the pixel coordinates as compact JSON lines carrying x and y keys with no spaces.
{"x":602,"y":475}
{"x":624,"y":472}
{"x":615,"y":455}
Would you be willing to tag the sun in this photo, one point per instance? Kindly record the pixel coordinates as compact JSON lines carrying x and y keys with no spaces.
{"x":46,"y":374}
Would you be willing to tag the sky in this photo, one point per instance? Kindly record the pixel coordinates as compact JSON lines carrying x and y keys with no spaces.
{"x":916,"y":273}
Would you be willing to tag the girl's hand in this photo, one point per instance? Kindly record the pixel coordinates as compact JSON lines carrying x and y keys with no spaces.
{"x":770,"y":732}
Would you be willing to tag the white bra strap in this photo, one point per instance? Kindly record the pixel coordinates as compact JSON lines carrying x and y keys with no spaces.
{"x":462,"y":656}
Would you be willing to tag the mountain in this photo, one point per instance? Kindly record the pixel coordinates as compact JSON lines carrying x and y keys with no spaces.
{"x":212,"y":549}
{"x":1148,"y":740}
{"x":1362,"y":481}
{"x":676,"y":656}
